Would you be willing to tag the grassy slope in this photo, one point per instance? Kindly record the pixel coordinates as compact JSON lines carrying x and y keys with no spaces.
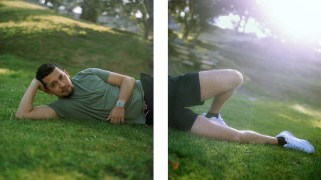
{"x":39,"y":35}
{"x":278,"y":94}
{"x":70,"y":149}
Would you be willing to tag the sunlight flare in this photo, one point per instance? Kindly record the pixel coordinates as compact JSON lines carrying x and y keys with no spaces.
{"x":306,"y":110}
{"x":295,"y":17}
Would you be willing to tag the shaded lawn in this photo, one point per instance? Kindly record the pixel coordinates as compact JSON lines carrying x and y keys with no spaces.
{"x":75,"y":149}
{"x":68,"y":148}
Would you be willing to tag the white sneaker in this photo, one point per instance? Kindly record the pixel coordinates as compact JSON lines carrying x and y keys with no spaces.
{"x":295,"y":143}
{"x":218,"y":120}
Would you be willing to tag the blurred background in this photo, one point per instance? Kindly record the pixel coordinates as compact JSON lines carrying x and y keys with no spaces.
{"x":129,"y":15}
{"x":275,"y":44}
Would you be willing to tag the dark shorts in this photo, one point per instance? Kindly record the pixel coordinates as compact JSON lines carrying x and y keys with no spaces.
{"x":147,"y":82}
{"x":183,"y":91}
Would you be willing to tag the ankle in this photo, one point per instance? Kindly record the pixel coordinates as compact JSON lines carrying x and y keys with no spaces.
{"x":281,"y":141}
{"x":209,"y":115}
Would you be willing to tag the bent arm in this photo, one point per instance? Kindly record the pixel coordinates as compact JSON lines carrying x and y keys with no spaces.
{"x":126,"y":85}
{"x":26,"y":108}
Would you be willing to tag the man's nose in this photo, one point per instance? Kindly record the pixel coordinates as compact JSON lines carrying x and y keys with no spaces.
{"x":62,"y":84}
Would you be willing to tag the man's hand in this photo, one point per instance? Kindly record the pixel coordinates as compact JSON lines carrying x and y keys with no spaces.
{"x":117,"y":115}
{"x":40,"y":86}
{"x":126,"y":86}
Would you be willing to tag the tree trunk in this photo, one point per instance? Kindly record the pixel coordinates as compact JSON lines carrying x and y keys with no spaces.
{"x":186,"y":28}
{"x":239,"y":24}
{"x":246,"y":22}
{"x":146,"y":30}
{"x":198,"y":34}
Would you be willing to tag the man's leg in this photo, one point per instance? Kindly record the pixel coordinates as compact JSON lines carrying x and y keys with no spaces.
{"x":204,"y":127}
{"x":219,"y":84}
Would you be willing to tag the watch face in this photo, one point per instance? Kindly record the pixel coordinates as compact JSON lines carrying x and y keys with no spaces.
{"x":120,"y":104}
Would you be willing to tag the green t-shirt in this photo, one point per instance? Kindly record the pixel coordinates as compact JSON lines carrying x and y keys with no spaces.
{"x":94,"y":98}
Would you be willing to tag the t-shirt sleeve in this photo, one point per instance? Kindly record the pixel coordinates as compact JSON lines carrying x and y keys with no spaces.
{"x":57,"y":107}
{"x":102,"y":74}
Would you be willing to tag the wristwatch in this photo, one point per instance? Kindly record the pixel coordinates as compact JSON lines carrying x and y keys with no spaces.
{"x":120,"y":104}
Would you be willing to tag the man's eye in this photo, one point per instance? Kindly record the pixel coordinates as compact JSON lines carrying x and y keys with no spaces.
{"x":53,"y":85}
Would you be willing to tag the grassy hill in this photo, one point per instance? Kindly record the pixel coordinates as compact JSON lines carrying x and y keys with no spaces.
{"x":69,"y":148}
{"x":39,"y":35}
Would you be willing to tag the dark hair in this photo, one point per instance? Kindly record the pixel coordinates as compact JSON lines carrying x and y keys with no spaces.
{"x":44,"y":70}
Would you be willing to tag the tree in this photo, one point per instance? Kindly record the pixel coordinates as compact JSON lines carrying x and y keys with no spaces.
{"x":193,"y":15}
{"x":141,"y":11}
{"x":245,"y":9}
{"x":91,"y":9}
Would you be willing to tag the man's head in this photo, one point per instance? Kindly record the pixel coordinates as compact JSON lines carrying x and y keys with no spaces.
{"x":55,"y":80}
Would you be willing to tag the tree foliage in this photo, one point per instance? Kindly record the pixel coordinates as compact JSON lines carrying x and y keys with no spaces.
{"x":193,"y":15}
{"x":140,"y":11}
{"x":91,"y":9}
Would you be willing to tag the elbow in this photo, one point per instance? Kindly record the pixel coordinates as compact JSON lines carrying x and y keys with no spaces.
{"x":20,"y":115}
{"x":131,"y":80}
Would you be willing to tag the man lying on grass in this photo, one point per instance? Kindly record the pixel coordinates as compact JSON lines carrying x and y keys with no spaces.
{"x":98,"y":94}
{"x":193,"y":89}
{"x":91,"y":94}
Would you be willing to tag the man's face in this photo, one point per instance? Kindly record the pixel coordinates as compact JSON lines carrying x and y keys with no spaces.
{"x":58,"y":83}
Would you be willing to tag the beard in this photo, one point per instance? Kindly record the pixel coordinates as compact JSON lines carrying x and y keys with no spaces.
{"x":70,"y":93}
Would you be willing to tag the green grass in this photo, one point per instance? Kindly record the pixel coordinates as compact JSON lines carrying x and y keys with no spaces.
{"x":66,"y":148}
{"x":74,"y":149}
{"x":39,"y":35}
{"x":191,"y":157}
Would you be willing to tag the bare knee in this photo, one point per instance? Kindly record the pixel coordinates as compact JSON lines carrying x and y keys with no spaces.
{"x":237,"y":77}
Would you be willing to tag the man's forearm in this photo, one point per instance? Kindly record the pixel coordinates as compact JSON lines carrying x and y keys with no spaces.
{"x":126,"y":89}
{"x":26,"y":104}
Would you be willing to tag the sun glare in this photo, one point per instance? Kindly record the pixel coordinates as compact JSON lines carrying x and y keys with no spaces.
{"x":306,"y":110}
{"x":228,"y":22}
{"x":295,"y":17}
